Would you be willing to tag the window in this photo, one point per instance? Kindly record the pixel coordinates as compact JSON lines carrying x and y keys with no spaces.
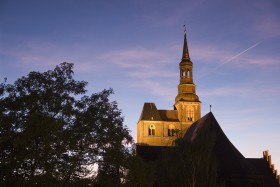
{"x":171,"y":130}
{"x":188,"y":73}
{"x":152,"y":130}
{"x":190,"y":113}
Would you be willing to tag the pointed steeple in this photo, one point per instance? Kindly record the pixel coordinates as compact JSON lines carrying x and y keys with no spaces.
{"x":187,"y":102}
{"x":185,"y":55}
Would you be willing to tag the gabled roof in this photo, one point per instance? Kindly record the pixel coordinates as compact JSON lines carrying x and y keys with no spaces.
{"x":151,"y":113}
{"x":230,"y":161}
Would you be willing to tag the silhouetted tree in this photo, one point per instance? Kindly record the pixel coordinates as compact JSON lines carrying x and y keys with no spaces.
{"x":141,"y":173}
{"x":51,"y":134}
{"x":113,"y":166}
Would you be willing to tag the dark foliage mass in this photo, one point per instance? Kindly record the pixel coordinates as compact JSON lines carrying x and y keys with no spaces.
{"x":51,"y":134}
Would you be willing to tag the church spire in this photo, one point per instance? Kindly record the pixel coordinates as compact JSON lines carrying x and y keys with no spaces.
{"x":185,"y":55}
{"x":186,"y":88}
{"x":187,"y":102}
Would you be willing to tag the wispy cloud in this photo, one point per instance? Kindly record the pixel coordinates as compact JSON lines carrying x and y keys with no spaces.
{"x":236,"y":56}
{"x":45,"y":55}
{"x":214,"y":57}
{"x":243,"y":91}
{"x":229,"y":60}
{"x":226,"y":91}
{"x":140,"y":63}
{"x":135,"y":58}
{"x":268,"y":25}
{"x":147,"y":66}
{"x":156,"y":88}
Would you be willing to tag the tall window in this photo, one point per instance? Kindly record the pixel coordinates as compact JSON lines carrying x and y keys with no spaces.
{"x":188,"y":73}
{"x":152,"y":130}
{"x":190,"y":113}
{"x":171,"y":130}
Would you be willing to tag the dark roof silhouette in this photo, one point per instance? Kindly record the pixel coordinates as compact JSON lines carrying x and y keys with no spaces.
{"x":263,"y":168}
{"x":151,"y":113}
{"x":230,"y":161}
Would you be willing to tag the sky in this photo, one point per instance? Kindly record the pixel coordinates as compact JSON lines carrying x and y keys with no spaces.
{"x":135,"y":46}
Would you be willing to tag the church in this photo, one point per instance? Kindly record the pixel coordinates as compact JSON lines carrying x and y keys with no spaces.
{"x":157,"y":129}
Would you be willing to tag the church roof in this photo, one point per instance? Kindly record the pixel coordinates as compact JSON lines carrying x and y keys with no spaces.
{"x":231,"y":161}
{"x":169,"y":115}
{"x":151,"y":113}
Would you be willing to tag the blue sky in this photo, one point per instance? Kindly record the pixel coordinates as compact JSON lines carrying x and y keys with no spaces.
{"x":135,"y":46}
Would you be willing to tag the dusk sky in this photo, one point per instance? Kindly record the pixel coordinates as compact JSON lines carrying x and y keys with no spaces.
{"x":135,"y":46}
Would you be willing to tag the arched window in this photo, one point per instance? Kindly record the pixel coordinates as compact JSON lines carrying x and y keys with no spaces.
{"x":171,"y":130}
{"x":152,"y":130}
{"x":188,"y":73}
{"x":184,"y":73}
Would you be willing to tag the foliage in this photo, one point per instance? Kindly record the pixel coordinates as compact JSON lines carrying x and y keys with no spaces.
{"x":141,"y":172}
{"x":49,"y":137}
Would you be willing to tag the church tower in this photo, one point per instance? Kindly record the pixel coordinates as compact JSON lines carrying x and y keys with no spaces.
{"x":160,"y":127}
{"x":187,"y":102}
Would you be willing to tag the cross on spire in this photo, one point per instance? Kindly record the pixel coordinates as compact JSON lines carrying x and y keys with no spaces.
{"x":185,"y":28}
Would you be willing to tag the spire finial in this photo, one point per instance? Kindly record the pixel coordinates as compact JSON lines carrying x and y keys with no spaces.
{"x":210,"y":107}
{"x":185,"y":28}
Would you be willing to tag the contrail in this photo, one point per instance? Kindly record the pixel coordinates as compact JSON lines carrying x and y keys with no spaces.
{"x":232,"y":58}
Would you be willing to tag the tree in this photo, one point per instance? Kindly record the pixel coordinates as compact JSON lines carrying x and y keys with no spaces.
{"x":51,"y":133}
{"x":141,"y":172}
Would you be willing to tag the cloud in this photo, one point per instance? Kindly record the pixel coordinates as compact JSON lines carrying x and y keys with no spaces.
{"x":140,"y":63}
{"x":156,"y":88}
{"x":214,"y":57}
{"x":212,"y":53}
{"x":243,"y":91}
{"x":260,"y":61}
{"x":226,"y":91}
{"x":148,"y":66}
{"x":135,"y":58}
{"x":152,"y":73}
{"x":268,"y":24}
{"x":41,"y":55}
